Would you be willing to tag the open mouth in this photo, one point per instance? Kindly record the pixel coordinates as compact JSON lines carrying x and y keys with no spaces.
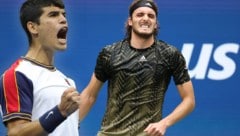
{"x":144,"y":25}
{"x":62,"y":33}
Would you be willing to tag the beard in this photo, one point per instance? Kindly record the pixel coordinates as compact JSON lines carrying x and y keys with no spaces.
{"x":142,"y":34}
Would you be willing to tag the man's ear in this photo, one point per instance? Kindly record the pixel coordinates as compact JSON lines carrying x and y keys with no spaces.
{"x":32,"y":28}
{"x":129,"y":21}
{"x":156,"y":26}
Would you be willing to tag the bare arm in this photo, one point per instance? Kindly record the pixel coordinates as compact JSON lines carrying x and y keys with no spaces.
{"x":184,"y":108}
{"x":89,"y":96}
{"x":19,"y":127}
{"x":24,"y":127}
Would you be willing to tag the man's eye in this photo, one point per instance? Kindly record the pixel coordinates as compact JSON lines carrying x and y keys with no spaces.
{"x":64,"y":14}
{"x":53,"y":14}
{"x":151,"y":16}
{"x":139,"y":15}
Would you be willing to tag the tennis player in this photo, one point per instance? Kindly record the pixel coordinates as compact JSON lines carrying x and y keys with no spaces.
{"x":36,"y":98}
{"x":138,"y":70}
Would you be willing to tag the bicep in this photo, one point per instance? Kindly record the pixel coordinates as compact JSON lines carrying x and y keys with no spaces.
{"x":186,"y":90}
{"x":93,"y":87}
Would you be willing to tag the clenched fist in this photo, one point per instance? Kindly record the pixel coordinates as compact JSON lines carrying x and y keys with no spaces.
{"x":70,"y":101}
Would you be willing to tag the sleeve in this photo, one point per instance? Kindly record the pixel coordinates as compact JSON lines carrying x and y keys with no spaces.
{"x":179,"y":68}
{"x":102,"y":65}
{"x":16,"y":96}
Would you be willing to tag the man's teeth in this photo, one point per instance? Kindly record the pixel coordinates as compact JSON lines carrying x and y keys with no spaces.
{"x":145,"y":26}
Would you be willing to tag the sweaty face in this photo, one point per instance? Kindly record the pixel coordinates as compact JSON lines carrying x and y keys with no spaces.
{"x":143,"y":22}
{"x":52,"y":30}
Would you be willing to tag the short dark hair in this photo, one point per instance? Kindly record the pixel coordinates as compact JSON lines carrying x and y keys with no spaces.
{"x":31,"y":10}
{"x":135,"y":4}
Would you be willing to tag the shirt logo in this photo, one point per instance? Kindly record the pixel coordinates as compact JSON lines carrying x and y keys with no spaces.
{"x":49,"y":114}
{"x":142,"y":59}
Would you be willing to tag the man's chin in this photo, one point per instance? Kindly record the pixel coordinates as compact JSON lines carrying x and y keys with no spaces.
{"x":145,"y":35}
{"x":62,"y":41}
{"x":62,"y":47}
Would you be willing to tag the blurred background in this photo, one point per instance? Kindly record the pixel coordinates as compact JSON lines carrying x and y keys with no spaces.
{"x":207,"y":32}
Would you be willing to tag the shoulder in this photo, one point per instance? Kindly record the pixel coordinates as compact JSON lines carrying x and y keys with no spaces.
{"x":162,"y":45}
{"x":166,"y":50}
{"x":115,"y":46}
{"x":20,"y":71}
{"x":14,"y":67}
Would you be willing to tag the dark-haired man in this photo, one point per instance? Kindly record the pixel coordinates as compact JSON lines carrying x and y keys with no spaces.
{"x":35,"y":97}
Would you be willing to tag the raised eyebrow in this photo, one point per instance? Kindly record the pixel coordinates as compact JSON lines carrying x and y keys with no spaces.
{"x":57,"y":12}
{"x":53,"y":13}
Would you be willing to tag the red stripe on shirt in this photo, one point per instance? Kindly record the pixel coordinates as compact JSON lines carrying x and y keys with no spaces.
{"x":11,"y":89}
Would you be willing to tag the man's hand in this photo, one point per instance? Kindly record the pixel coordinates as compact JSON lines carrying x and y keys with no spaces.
{"x":156,"y":129}
{"x":70,"y":102}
